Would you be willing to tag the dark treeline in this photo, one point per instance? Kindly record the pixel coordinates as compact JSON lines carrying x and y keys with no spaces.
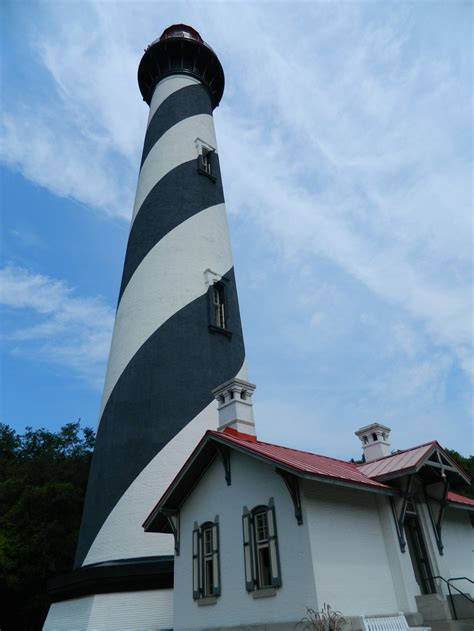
{"x":467,"y":463}
{"x":43,"y":478}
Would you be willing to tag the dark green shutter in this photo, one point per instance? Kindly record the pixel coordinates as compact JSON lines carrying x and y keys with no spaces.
{"x":196,"y":563}
{"x":212,"y":161}
{"x":248,"y":550}
{"x":216,"y":566}
{"x":273,"y":545}
{"x":200,"y":163}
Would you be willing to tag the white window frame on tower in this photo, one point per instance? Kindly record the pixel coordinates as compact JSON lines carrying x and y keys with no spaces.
{"x":206,"y":161}
{"x":219,"y":305}
{"x":206,"y":157}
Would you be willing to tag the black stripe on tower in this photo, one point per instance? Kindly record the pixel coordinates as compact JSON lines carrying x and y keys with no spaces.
{"x":179,"y":195}
{"x":153,"y":400}
{"x":185,"y":102}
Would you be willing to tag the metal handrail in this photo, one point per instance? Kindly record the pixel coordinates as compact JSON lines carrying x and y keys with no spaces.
{"x":447,"y":581}
{"x":461,"y":578}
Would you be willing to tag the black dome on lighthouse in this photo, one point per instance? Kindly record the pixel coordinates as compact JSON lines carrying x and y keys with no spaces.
{"x":180,"y":50}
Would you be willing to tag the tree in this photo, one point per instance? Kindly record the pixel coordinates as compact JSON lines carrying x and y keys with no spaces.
{"x":467,"y":463}
{"x":43,"y":478}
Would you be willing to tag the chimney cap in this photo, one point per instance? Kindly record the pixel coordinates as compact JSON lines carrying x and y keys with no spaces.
{"x":372,"y":428}
{"x":245,"y":385}
{"x":375,"y":439}
{"x":234,"y":405}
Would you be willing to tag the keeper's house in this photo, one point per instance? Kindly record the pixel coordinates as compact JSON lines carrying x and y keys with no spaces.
{"x":263,"y":531}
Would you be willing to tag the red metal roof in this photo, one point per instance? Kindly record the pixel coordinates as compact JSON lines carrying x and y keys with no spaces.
{"x":460,"y":499}
{"x":405,"y":459}
{"x":302,"y":461}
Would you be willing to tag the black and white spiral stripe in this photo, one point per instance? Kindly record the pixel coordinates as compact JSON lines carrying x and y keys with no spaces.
{"x":164,"y":361}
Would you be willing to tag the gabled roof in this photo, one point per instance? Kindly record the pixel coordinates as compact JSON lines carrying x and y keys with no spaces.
{"x":300,"y":463}
{"x":400,"y":461}
{"x":412,"y":460}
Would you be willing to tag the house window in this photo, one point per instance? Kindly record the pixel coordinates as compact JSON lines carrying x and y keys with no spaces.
{"x":206,"y":569}
{"x":261,"y":556}
{"x":219,"y":306}
{"x":262,"y":548}
{"x":207,"y":561}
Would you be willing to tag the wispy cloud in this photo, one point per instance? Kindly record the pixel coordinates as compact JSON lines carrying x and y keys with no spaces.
{"x":345,"y":136}
{"x":56,"y":325}
{"x":365,"y":165}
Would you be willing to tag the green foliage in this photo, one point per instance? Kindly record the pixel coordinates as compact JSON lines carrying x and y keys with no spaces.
{"x":43,"y":478}
{"x":467,"y":463}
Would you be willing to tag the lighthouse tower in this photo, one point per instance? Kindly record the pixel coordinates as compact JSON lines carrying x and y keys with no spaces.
{"x":177,"y":337}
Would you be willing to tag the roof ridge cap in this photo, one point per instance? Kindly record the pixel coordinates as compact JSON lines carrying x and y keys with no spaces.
{"x":302,"y":451}
{"x":400,"y":451}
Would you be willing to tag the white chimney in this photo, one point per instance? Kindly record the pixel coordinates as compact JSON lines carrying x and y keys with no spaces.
{"x":234,"y":404}
{"x":375,"y":441}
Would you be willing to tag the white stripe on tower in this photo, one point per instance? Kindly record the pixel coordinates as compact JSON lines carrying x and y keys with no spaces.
{"x":167,"y":87}
{"x":164,"y":359}
{"x":176,"y":146}
{"x":122,"y":533}
{"x":168,"y":350}
{"x":150,"y":298}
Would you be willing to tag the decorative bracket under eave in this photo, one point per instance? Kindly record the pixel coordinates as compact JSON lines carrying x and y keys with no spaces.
{"x":399,"y":516}
{"x":293,"y":486}
{"x":438,"y":518}
{"x":173,"y":520}
{"x":224,"y":452}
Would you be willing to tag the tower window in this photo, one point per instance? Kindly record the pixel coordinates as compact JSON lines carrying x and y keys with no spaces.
{"x":206,"y":161}
{"x":219,"y":306}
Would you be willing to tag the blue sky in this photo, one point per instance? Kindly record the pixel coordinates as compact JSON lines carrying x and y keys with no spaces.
{"x":346,"y":149}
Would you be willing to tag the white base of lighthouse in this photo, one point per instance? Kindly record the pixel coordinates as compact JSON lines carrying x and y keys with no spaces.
{"x":150,"y":610}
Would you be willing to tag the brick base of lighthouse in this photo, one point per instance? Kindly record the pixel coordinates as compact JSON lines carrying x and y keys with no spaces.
{"x":128,"y":594}
{"x":148,"y":610}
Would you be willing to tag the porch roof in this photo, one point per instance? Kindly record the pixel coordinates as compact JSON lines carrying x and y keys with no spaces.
{"x":430,"y":460}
